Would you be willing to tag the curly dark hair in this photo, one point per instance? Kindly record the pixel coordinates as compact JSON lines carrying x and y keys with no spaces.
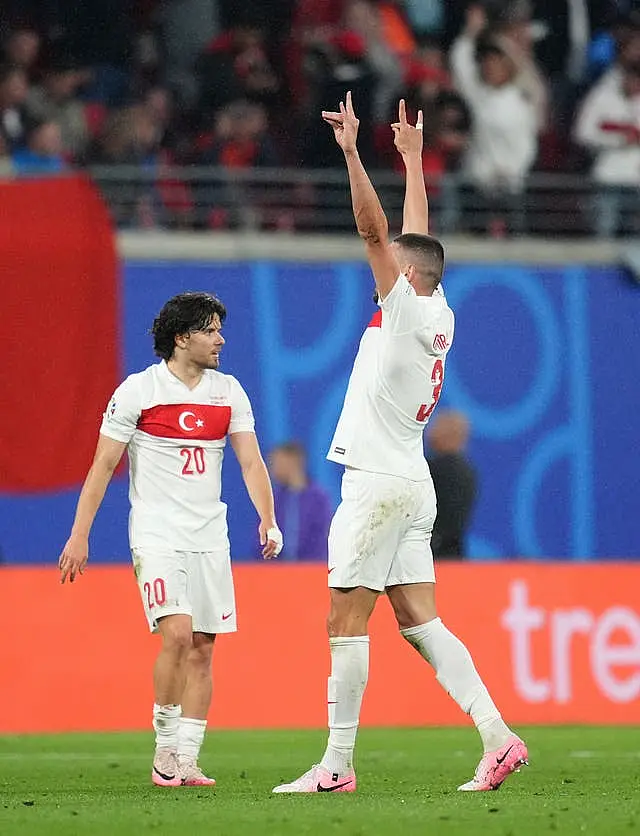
{"x":184,"y":314}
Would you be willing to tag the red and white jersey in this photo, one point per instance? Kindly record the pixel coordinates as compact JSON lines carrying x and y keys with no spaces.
{"x":176,"y":438}
{"x":395,"y":384}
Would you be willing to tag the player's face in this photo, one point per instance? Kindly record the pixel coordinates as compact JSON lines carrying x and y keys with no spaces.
{"x":203,"y":347}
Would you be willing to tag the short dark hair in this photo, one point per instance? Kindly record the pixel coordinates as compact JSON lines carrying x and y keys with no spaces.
{"x":428,"y":253}
{"x":184,"y":314}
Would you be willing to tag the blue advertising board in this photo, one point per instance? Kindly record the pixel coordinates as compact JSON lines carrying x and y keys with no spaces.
{"x":545,"y":362}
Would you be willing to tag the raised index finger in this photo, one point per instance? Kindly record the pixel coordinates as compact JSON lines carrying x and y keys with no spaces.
{"x":402,"y":112}
{"x":350,"y":109}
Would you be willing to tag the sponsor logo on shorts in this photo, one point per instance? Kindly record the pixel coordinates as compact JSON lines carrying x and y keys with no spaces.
{"x":226,"y":615}
{"x":340,"y":450}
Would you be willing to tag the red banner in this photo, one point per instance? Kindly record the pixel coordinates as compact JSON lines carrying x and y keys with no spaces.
{"x":554,"y":644}
{"x":59,"y":312}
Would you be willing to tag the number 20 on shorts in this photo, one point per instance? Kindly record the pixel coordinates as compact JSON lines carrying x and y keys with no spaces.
{"x":437,"y":378}
{"x":155,"y":592}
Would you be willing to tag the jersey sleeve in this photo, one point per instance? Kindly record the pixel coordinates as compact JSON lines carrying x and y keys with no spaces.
{"x":241,"y":413}
{"x":121,"y":416}
{"x":406,"y":312}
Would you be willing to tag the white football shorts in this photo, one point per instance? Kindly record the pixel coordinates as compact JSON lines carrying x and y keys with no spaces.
{"x":380,"y":535}
{"x":199,"y":584}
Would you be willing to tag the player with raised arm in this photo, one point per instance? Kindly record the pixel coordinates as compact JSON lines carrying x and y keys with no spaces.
{"x":380,"y":535}
{"x":173,"y":419}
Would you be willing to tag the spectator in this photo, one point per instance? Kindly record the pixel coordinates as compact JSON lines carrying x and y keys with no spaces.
{"x":506,"y":119}
{"x":454,"y":480}
{"x":329,"y":63}
{"x":236,"y":66}
{"x":363,"y":18}
{"x":303,"y":508}
{"x":567,"y":28}
{"x":240,"y":138}
{"x":21,"y":48}
{"x":608,"y":126}
{"x":447,"y":120}
{"x":14,"y":89}
{"x":55,"y":99}
{"x":42,"y":153}
{"x":131,"y":136}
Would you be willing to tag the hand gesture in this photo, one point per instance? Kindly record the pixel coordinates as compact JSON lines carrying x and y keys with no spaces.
{"x":407,"y":138}
{"x":345,"y":125}
{"x":476,"y":20}
{"x":73,"y":559}
{"x":270,"y":539}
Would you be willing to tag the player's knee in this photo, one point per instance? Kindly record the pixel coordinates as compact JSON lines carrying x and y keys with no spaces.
{"x":177,"y":638}
{"x":200,"y":657}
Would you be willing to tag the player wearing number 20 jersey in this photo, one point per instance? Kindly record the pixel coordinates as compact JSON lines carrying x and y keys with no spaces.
{"x":176,"y":438}
{"x":174,"y":419}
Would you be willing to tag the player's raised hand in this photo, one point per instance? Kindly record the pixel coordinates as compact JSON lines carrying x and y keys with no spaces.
{"x":344,"y":123}
{"x":73,"y":559}
{"x":407,"y":138}
{"x":270,"y":539}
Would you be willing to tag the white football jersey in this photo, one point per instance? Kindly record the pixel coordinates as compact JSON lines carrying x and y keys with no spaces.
{"x":176,"y":438}
{"x":395,"y":384}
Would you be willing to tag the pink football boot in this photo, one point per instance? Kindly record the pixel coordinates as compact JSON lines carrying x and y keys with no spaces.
{"x":318,"y":779}
{"x":495,"y":767}
{"x":165,"y":769}
{"x":191,"y":775}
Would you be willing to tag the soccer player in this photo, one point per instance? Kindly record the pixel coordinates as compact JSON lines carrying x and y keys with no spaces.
{"x":173,"y":419}
{"x":380,"y":535}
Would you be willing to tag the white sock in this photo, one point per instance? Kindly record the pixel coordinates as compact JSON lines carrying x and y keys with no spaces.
{"x":345,"y":687}
{"x":456,"y":673}
{"x":190,"y":737}
{"x":165,"y":724}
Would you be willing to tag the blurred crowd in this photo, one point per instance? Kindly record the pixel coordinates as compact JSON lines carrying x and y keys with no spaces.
{"x":508,"y":87}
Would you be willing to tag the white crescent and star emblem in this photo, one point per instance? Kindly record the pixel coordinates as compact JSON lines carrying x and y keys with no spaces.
{"x":182,"y":421}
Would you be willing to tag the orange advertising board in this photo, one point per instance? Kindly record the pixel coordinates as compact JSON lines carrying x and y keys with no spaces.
{"x":554,"y":644}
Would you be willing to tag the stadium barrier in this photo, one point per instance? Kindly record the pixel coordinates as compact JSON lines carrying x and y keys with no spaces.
{"x":554,"y":643}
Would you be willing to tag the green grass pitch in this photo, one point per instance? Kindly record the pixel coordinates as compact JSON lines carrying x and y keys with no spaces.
{"x":581,"y":780}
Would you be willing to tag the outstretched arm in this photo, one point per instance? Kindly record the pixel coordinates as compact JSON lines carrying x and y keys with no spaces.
{"x":408,"y":141}
{"x":368,"y":213}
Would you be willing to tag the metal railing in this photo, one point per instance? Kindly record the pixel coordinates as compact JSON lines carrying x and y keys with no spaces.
{"x":317,"y":201}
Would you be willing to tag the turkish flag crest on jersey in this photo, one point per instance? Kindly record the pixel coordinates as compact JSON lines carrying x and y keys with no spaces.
{"x":200,"y":422}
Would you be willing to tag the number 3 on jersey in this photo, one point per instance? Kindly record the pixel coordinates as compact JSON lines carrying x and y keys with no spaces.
{"x":437,"y":378}
{"x":193,"y":461}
